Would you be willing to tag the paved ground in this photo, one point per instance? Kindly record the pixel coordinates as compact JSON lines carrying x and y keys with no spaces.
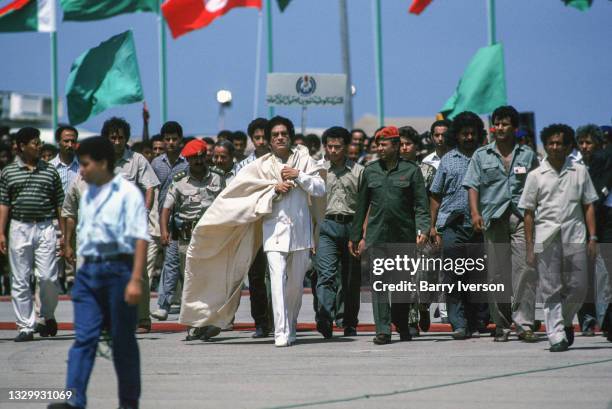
{"x":235,"y":371}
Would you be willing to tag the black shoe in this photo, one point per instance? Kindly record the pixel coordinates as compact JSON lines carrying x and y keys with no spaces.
{"x":210,"y":332}
{"x":325,"y":328}
{"x":51,"y":325}
{"x":24,"y":337}
{"x":460,"y":334}
{"x":559,"y":346}
{"x":569,"y":334}
{"x":260,"y":332}
{"x":382,"y":339}
{"x":350,"y":331}
{"x":405,"y":335}
{"x":424,"y":320}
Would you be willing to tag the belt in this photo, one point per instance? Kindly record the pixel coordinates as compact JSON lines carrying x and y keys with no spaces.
{"x":104,"y":258}
{"x":31,"y":219}
{"x":340,"y":218}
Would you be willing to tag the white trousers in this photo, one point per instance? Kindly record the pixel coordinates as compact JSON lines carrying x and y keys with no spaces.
{"x":287,"y":272}
{"x":564,"y":285}
{"x":32,"y":250}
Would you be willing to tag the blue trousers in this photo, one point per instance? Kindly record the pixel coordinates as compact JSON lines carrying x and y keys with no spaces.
{"x":169,"y":276}
{"x":98,"y":299}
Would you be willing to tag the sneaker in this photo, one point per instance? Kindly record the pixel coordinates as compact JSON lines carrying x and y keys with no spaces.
{"x":325,"y":328}
{"x":281,"y":343}
{"x":528,"y":336}
{"x":160,"y":314}
{"x":24,"y":337}
{"x":569,"y":334}
{"x":559,"y":346}
{"x":460,"y":334}
{"x":382,"y":339}
{"x":350,"y":331}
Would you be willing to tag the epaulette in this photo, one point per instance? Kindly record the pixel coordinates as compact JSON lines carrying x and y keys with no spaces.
{"x":371,"y":162}
{"x":216,"y":170}
{"x":179,"y":176}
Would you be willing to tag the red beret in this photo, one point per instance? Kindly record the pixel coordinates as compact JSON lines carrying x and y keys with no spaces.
{"x":194,"y":148}
{"x":388,"y":132}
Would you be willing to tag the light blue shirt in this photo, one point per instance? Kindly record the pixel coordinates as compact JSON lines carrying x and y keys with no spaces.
{"x":112,"y":217}
{"x":67,"y":172}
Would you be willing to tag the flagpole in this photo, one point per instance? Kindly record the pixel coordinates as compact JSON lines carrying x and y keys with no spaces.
{"x":346,"y":65}
{"x":378,"y":61}
{"x":54,"y":96}
{"x":258,"y":64}
{"x":161,"y":24}
{"x":270,"y":48}
{"x":492,"y":23}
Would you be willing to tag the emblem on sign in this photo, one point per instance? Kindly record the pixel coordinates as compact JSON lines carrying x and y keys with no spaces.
{"x":305,"y":85}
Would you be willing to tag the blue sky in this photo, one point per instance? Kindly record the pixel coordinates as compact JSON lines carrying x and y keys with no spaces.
{"x":558,"y":59}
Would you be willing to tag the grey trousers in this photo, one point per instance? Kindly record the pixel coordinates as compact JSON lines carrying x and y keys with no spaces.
{"x":563,"y":284}
{"x":507,"y":263}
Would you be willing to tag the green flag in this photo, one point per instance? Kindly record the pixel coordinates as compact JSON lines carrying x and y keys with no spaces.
{"x":85,"y":10}
{"x":103,"y":77}
{"x":483,"y":85}
{"x":581,"y":5}
{"x":282,"y":4}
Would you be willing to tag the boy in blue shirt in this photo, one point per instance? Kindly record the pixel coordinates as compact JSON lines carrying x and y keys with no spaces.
{"x":113,"y":241}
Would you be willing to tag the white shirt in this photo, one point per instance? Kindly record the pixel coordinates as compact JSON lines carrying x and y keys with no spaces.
{"x":290,"y":227}
{"x":557,"y":199}
{"x":432,"y":159}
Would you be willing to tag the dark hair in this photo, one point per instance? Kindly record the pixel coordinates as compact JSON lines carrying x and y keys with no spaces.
{"x":113,"y":125}
{"x":312,"y":140}
{"x":336,"y":132}
{"x":280,"y":120}
{"x":141,"y":146}
{"x":257,"y":123}
{"x":410,"y":133}
{"x":238,"y":136}
{"x":62,"y":128}
{"x":27,"y":134}
{"x":365,"y":135}
{"x":466,"y":119}
{"x":6,"y":148}
{"x":555,"y":129}
{"x":187,"y":139}
{"x":50,"y":148}
{"x":506,"y":111}
{"x":227,"y":145}
{"x":440,"y":122}
{"x":296,"y":137}
{"x":98,"y":148}
{"x":156,"y":138}
{"x":591,"y":130}
{"x":225,"y":134}
{"x":209,"y":141}
{"x":171,"y":127}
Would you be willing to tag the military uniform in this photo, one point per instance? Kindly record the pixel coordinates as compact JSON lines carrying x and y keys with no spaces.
{"x":399,"y":208}
{"x":189,"y":198}
{"x":226,"y":177}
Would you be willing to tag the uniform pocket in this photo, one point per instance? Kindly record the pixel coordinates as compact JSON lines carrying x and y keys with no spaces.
{"x":491,"y":173}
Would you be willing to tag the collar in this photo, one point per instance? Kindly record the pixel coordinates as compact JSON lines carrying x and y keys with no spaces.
{"x":348,"y":164}
{"x":206,"y":175}
{"x":127,"y":155}
{"x":567,"y":166}
{"x":22,"y":164}
{"x":164,"y":158}
{"x":57,"y":162}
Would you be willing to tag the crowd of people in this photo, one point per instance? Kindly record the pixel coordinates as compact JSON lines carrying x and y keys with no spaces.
{"x":309,"y":208}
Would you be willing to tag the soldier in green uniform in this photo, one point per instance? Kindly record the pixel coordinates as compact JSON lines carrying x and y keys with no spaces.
{"x":191,"y":193}
{"x":393,"y":198}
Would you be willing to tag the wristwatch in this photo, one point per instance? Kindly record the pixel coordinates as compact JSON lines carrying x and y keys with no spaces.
{"x":593,"y":238}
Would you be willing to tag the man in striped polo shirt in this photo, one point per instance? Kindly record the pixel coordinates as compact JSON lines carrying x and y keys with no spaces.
{"x":31,"y":195}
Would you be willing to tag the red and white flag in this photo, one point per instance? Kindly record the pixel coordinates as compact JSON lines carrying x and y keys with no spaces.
{"x":418,"y":6}
{"x":184,"y":16}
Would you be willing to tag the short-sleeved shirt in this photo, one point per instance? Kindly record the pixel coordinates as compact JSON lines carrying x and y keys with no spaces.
{"x":136,"y":168}
{"x":499,"y":189}
{"x":342,"y":187}
{"x":191,"y":197}
{"x":70,"y":207}
{"x":226,"y":177}
{"x":238,"y":166}
{"x":31,"y":194}
{"x":432,"y":159}
{"x":398,"y":204}
{"x":557,"y":199}
{"x":447,"y":184}
{"x":165,"y":171}
{"x":113,"y":217}
{"x":67,"y":172}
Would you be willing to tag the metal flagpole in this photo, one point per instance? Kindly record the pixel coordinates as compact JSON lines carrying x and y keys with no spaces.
{"x":54,"y":96}
{"x":270,"y":48}
{"x":258,"y":64}
{"x":378,"y":61}
{"x":162,"y":65}
{"x":346,"y":65}
{"x":492,"y":23}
